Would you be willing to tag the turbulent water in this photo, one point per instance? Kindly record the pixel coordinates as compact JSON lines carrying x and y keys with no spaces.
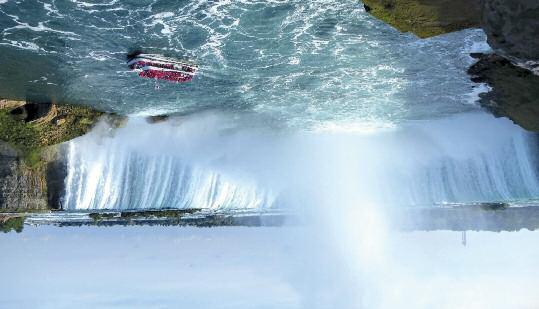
{"x":296,"y":62}
{"x":294,"y":100}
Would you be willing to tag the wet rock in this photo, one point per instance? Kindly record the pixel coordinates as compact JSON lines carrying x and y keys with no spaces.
{"x":157,"y":119}
{"x":512,"y":28}
{"x":55,"y":175}
{"x":515,"y":91}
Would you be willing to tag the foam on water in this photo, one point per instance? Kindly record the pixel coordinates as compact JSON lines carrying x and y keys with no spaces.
{"x":302,"y":64}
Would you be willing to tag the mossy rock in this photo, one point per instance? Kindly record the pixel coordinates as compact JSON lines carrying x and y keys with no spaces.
{"x":426,"y":18}
{"x":9,"y":224}
{"x":29,"y":132}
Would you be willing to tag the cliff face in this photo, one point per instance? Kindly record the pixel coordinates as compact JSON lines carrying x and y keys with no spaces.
{"x":512,"y":28}
{"x":32,"y":171}
{"x":21,"y":188}
{"x":515,"y":91}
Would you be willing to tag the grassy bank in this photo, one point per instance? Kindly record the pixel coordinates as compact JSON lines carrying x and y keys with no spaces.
{"x":12,"y":223}
{"x":426,"y":18}
{"x":30,"y":135}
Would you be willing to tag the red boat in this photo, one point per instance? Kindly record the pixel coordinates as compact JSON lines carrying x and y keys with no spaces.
{"x":159,"y":67}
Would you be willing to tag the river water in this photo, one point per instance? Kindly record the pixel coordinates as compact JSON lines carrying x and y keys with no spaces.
{"x":296,"y":63}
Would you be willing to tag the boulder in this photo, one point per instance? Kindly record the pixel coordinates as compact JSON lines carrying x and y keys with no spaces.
{"x":515,"y":91}
{"x":512,"y":28}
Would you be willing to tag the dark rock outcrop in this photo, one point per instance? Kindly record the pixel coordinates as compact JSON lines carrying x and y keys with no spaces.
{"x":512,"y":28}
{"x":55,"y":175}
{"x":515,"y":91}
{"x":157,"y":119}
{"x":31,"y":111}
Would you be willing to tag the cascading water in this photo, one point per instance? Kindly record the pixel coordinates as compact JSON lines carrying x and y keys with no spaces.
{"x":133,"y":170}
{"x":216,"y":162}
{"x":117,"y":179}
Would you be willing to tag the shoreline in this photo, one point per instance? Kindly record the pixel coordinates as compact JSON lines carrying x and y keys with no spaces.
{"x":494,"y":217}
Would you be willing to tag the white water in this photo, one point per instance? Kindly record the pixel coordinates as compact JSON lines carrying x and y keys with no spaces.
{"x":220,"y":161}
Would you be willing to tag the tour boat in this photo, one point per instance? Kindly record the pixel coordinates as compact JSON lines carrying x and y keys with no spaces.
{"x":160,"y":67}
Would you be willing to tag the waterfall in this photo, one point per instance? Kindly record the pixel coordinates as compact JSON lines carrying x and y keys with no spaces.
{"x":130,"y":171}
{"x":218,"y":162}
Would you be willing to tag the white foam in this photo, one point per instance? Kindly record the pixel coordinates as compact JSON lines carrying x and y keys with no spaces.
{"x":473,"y":97}
{"x":83,"y":4}
{"x":359,"y":127}
{"x":162,"y":15}
{"x":23,"y":45}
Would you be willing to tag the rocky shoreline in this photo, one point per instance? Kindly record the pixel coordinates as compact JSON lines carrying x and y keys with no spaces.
{"x":512,"y":28}
{"x":515,"y":90}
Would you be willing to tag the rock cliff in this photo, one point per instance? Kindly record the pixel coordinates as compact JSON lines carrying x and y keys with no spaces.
{"x":32,"y":169}
{"x":515,"y":91}
{"x":512,"y":28}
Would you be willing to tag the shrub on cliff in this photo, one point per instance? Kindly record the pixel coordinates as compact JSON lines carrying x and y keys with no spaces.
{"x":12,"y":224}
{"x":29,"y":132}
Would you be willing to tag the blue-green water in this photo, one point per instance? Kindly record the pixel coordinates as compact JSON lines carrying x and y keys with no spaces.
{"x":298,"y":63}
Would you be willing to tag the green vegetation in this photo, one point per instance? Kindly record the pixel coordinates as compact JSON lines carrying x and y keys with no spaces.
{"x":99,"y":216}
{"x":12,"y":224}
{"x":426,"y":18}
{"x":29,"y":137}
{"x":23,"y":210}
{"x":17,"y":133}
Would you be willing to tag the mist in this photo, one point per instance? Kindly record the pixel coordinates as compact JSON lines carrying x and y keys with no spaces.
{"x":347,"y":250}
{"x":216,"y":160}
{"x":170,"y":267}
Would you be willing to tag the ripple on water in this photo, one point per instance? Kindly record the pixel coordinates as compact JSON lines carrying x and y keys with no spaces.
{"x":302,"y":64}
